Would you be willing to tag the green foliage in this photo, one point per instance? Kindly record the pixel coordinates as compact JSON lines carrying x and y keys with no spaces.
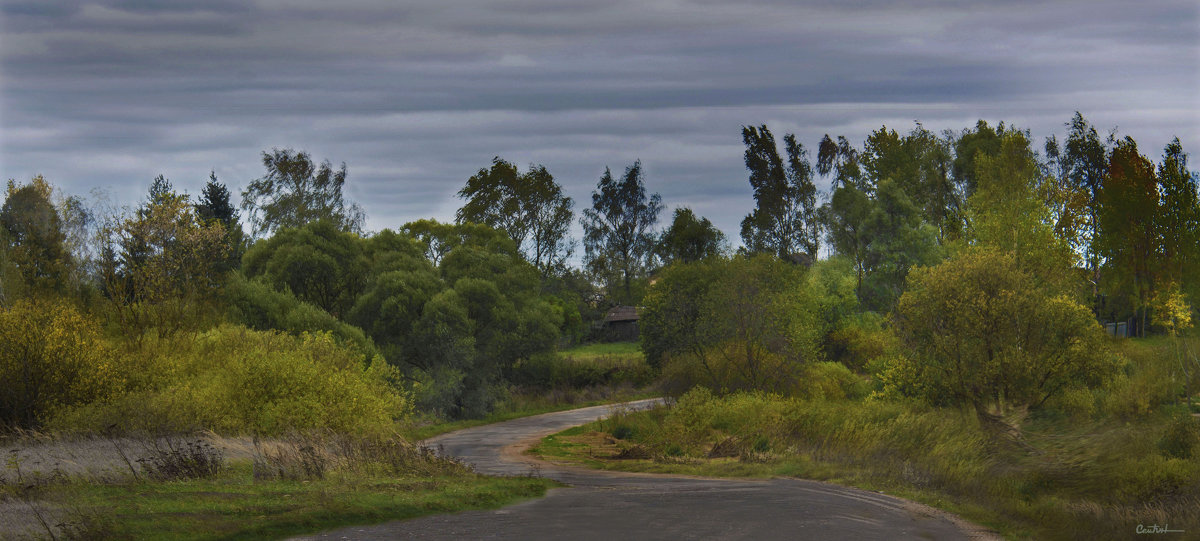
{"x":752,"y":325}
{"x":214,"y":206}
{"x":161,"y":268}
{"x":784,"y":220}
{"x":1181,"y":439}
{"x":235,"y":380}
{"x":296,"y":192}
{"x":256,"y":305}
{"x":318,"y":263}
{"x":618,"y":242}
{"x":883,"y":235}
{"x":672,"y":310}
{"x":545,"y":371}
{"x":529,"y":207}
{"x":51,"y":357}
{"x":35,"y":246}
{"x":983,"y":334}
{"x":1179,"y":221}
{"x":1007,"y":213}
{"x":1128,"y":237}
{"x":689,"y":240}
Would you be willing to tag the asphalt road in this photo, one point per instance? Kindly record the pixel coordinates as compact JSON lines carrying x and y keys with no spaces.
{"x":617,"y":506}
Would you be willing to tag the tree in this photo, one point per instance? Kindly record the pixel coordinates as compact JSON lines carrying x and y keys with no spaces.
{"x":529,"y":206}
{"x":1127,"y":216}
{"x":983,"y":140}
{"x":1179,"y":219}
{"x":36,"y":239}
{"x":846,"y":222}
{"x":689,"y":239}
{"x":784,"y":220}
{"x":745,"y":323}
{"x":214,"y":206}
{"x":295,"y":192}
{"x":1085,"y":161}
{"x":160,"y":266}
{"x":899,"y":241}
{"x":1006,"y":212}
{"x":318,"y":263}
{"x":984,"y":334}
{"x":617,"y":231}
{"x":839,"y":158}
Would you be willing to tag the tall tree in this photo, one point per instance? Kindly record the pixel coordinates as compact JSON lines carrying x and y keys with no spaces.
{"x":529,"y":206}
{"x":1127,"y":240}
{"x":1179,"y":220}
{"x":618,"y":240}
{"x":689,"y":239}
{"x":1085,"y":161}
{"x":784,"y":220}
{"x":295,"y":191}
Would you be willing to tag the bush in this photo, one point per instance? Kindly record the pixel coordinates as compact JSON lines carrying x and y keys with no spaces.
{"x":830,"y":381}
{"x":175,"y":459}
{"x":1181,"y":438}
{"x":255,"y":304}
{"x":235,"y":380}
{"x":51,"y":357}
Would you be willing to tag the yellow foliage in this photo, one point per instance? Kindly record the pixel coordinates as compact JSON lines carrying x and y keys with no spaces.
{"x":51,"y":357}
{"x":236,"y":380}
{"x":1171,"y":309}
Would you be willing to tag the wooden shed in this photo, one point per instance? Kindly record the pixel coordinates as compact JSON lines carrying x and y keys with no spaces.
{"x":621,"y":324}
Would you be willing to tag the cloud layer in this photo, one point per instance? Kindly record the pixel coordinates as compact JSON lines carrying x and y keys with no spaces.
{"x":415,"y":96}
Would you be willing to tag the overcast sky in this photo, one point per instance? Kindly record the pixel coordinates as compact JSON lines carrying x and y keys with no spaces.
{"x":416,"y":96}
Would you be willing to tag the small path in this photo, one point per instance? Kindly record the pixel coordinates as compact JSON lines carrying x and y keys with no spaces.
{"x":605,"y":505}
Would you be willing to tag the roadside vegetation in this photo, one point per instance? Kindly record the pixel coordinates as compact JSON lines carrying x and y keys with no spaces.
{"x":952,"y":335}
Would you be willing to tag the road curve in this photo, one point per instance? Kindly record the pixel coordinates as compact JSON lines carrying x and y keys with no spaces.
{"x":606,"y":505}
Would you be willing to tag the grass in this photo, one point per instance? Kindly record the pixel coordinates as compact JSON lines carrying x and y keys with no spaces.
{"x":604,"y":349}
{"x":276,"y":488}
{"x":234,"y":506}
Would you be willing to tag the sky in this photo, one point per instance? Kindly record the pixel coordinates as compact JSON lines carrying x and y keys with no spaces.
{"x":414,"y":97}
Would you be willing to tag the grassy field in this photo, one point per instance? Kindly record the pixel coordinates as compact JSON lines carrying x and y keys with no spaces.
{"x":604,"y":349}
{"x":1095,"y":466}
{"x":230,"y":488}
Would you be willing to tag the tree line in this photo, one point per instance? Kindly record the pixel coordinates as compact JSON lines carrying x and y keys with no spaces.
{"x":457,"y":307}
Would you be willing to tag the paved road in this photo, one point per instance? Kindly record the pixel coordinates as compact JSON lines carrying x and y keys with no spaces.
{"x":613,"y":505}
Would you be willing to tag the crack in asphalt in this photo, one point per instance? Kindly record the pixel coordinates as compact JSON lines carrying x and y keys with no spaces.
{"x":607,"y":505}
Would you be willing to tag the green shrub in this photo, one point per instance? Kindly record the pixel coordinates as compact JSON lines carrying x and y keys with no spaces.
{"x":257,"y":305}
{"x":1181,"y":439}
{"x":830,"y":381}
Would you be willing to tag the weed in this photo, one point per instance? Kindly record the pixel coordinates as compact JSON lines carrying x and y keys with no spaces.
{"x":173,"y":458}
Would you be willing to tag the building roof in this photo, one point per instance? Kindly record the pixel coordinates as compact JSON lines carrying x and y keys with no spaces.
{"x":621,"y":313}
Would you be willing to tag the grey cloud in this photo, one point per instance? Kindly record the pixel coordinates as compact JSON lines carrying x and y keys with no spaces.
{"x":416,"y":96}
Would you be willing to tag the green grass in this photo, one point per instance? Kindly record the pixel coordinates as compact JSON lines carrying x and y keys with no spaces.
{"x":233,"y":506}
{"x":603,"y":349}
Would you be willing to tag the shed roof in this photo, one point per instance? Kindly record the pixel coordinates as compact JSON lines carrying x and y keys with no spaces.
{"x":621,"y":313}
